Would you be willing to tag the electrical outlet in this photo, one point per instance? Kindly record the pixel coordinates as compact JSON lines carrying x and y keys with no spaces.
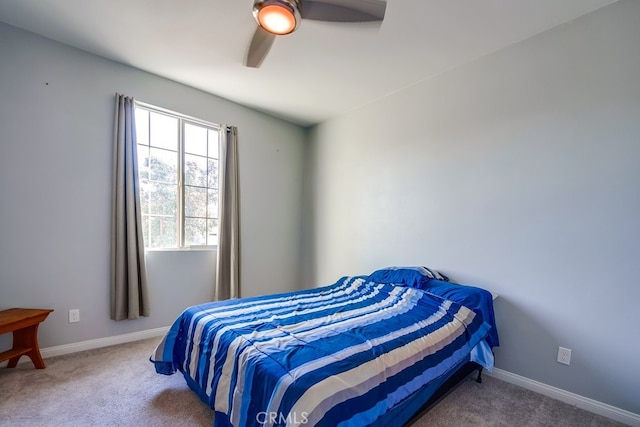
{"x":564,"y":355}
{"x":74,"y":315}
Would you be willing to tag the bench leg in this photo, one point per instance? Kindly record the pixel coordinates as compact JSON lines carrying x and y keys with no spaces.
{"x":27,"y":338}
{"x":13,"y":362}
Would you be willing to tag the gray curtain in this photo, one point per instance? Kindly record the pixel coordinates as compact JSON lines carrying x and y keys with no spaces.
{"x":228,"y":265}
{"x":129,"y":295}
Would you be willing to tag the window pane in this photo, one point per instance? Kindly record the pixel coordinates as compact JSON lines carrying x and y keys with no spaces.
{"x":142,"y":126}
{"x":164,"y":199}
{"x":212,"y":175}
{"x":162,"y":232}
{"x":195,"y":139}
{"x":145,"y":230}
{"x":212,"y":204}
{"x":144,"y":196}
{"x":164,"y":131}
{"x":195,"y":170}
{"x":212,"y":232}
{"x":195,"y":202}
{"x":143,"y":161}
{"x":164,"y":165}
{"x":154,"y":233}
{"x":213,"y":143}
{"x":195,"y":231}
{"x":169,"y":232}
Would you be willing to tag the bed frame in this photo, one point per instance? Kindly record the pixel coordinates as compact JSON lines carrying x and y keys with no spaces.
{"x":447,"y":387}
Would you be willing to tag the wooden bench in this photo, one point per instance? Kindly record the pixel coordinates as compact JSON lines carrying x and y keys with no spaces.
{"x":23,"y":322}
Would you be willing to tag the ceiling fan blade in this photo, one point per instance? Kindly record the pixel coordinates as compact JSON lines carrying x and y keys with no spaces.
{"x":343,"y":10}
{"x":259,"y":47}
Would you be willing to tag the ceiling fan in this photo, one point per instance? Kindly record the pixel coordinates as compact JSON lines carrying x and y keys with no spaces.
{"x":280,"y":17}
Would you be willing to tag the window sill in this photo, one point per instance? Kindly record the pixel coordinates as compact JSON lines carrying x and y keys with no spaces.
{"x":189,"y":249}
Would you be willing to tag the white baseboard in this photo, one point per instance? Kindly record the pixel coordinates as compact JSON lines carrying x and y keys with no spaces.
{"x":75,"y":347}
{"x":60,"y":350}
{"x":581,"y":402}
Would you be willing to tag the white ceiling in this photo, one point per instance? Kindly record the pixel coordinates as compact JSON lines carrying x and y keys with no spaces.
{"x":319,"y":71}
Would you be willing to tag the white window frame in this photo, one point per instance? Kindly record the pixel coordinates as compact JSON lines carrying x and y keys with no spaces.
{"x":180,"y":222}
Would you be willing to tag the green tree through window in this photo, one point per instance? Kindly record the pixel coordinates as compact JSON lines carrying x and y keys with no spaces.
{"x":178,"y":170}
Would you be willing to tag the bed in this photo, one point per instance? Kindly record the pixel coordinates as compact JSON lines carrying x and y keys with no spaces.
{"x":366,"y":350}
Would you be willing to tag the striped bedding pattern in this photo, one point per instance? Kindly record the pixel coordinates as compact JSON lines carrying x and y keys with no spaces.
{"x":349,"y":354}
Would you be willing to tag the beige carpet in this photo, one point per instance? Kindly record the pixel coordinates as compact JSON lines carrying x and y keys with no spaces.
{"x":118,"y":386}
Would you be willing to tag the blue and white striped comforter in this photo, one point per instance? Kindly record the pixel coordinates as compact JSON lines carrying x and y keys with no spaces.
{"x":347,"y":354}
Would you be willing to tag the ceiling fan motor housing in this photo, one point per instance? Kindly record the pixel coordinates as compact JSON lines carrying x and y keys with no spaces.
{"x":291,"y":6}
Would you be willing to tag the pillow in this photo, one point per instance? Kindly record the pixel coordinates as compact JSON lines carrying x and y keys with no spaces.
{"x":415,"y":277}
{"x":437,"y":275}
{"x":474,"y":298}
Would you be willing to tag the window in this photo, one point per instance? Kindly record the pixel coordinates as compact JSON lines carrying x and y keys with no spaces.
{"x":178,"y":171}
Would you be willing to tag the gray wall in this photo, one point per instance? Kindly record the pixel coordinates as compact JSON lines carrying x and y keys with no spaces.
{"x":519,"y":173}
{"x":56,"y":127}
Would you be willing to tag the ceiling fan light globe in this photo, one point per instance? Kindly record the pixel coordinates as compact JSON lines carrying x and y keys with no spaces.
{"x":277,"y":19}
